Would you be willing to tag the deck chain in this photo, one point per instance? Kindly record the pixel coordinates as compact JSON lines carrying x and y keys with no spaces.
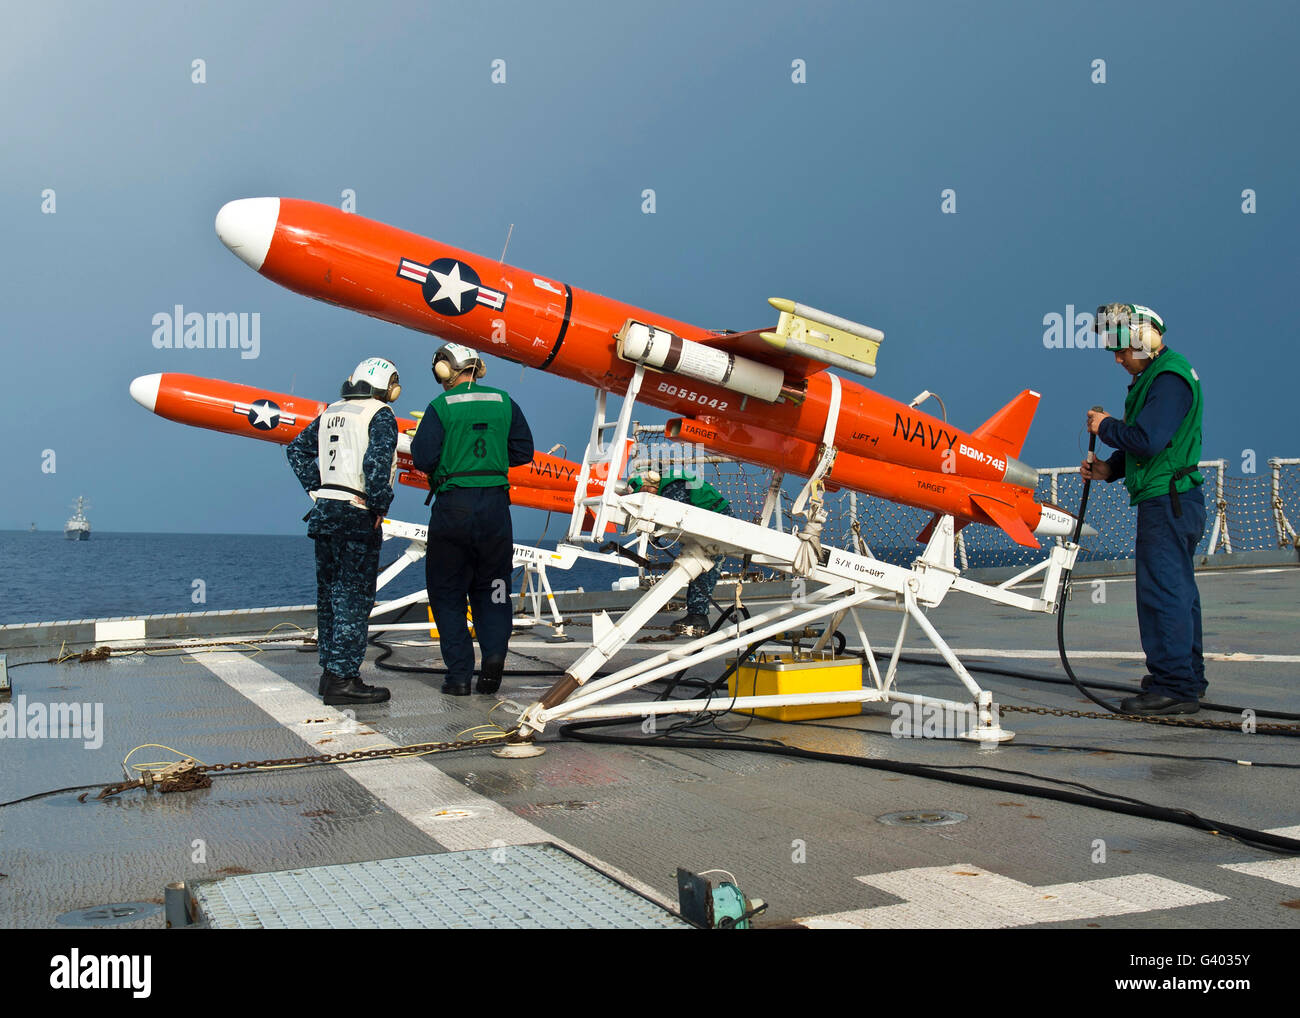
{"x":1155,"y":719}
{"x":197,"y":776}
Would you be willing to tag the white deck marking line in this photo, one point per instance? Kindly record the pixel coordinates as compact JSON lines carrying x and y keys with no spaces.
{"x":439,"y":805}
{"x":575,"y":648}
{"x":1127,"y":655}
{"x":962,"y":896}
{"x":1001,"y":652}
{"x":1281,"y":871}
{"x":1203,"y":574}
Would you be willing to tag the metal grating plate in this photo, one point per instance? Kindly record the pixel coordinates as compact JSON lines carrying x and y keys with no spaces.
{"x":514,"y":887}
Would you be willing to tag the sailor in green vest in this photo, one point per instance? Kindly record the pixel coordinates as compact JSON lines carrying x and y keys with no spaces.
{"x":683,"y":487}
{"x":467,"y":440}
{"x":1159,"y":444}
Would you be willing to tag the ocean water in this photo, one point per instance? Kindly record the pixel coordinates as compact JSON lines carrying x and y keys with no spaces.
{"x":44,"y":577}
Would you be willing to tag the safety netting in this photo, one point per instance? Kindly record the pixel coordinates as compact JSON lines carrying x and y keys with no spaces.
{"x":1244,"y":513}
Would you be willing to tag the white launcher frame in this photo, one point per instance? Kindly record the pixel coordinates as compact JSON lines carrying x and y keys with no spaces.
{"x":534,"y":562}
{"x":847,"y":583}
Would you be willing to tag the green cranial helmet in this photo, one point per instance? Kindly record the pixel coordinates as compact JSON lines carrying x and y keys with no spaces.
{"x":1116,"y":323}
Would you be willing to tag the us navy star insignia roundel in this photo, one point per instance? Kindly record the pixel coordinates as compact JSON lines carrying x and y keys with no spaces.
{"x":450,"y":287}
{"x":263,"y":414}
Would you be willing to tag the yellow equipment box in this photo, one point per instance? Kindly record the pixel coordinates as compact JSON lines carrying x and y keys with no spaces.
{"x":783,"y":674}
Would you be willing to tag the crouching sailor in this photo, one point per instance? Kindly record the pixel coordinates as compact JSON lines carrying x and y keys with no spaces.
{"x":346,"y":461}
{"x":683,"y":487}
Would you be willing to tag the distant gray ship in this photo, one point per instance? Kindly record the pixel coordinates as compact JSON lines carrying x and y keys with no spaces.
{"x":78,"y":528}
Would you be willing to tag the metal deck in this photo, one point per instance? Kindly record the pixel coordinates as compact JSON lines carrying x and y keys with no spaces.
{"x":804,"y":836}
{"x":520,"y":887}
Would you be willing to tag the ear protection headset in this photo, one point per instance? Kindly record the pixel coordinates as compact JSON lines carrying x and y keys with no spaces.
{"x":452,"y":359}
{"x":1120,"y":320}
{"x":641,"y":480}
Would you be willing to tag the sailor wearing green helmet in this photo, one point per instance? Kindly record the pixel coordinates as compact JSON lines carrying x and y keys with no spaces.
{"x":684,"y":487}
{"x":1158,"y":444}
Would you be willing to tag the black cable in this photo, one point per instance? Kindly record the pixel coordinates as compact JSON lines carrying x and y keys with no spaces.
{"x":381,"y":661}
{"x":1048,"y":745}
{"x":706,"y":716}
{"x":1218,"y":708}
{"x":726,"y":613}
{"x":710,"y":687}
{"x":627,"y":553}
{"x":734,"y":741}
{"x":1096,"y":798}
{"x":57,"y":791}
{"x":1184,"y":818}
{"x":841,"y":642}
{"x":1066,"y":580}
{"x":1065,"y":588}
{"x":1056,"y":781}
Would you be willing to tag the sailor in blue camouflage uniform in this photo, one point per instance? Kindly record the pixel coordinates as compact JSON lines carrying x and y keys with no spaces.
{"x":683,"y":487}
{"x":467,"y":441}
{"x":346,"y":461}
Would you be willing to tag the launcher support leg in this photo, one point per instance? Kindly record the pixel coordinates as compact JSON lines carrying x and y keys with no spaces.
{"x":987,"y":727}
{"x":415,"y":551}
{"x":891,"y":672}
{"x":761,"y":627}
{"x":868,"y":655}
{"x":594,"y":701}
{"x":829,"y":631}
{"x":557,"y":629}
{"x":608,"y":638}
{"x":537,"y":585}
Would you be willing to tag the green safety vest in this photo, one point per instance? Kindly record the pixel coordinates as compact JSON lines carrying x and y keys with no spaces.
{"x":1173,"y":468}
{"x":476,"y":426}
{"x":699,"y":493}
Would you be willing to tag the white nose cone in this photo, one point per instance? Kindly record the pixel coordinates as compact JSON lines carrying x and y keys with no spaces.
{"x":144,"y":390}
{"x":246,"y":226}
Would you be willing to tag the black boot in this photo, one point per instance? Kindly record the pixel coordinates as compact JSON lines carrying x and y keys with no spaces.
{"x":489,"y":676}
{"x":450,"y":688}
{"x":338,"y":690}
{"x":696,"y":625}
{"x":1157,"y":703}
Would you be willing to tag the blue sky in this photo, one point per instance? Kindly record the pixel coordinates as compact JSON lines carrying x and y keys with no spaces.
{"x":1068,"y":192}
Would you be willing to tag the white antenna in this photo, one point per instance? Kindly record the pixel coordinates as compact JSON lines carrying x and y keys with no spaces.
{"x":507,"y":245}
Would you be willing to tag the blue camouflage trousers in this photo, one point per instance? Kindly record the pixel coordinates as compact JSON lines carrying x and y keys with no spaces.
{"x":700,"y":589}
{"x":346,"y":569}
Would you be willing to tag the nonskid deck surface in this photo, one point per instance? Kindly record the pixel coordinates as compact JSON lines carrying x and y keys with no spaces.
{"x":803,"y":835}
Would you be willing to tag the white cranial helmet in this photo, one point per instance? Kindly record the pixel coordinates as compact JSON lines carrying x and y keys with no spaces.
{"x":374,"y":377}
{"x":452,"y":358}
